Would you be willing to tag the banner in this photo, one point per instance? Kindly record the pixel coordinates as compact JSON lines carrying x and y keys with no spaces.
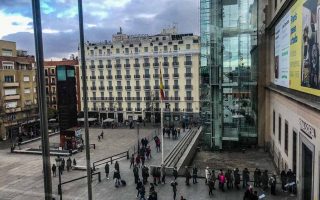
{"x":304,"y":35}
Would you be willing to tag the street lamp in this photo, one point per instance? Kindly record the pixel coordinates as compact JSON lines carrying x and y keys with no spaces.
{"x":58,"y":163}
{"x":138,"y":137}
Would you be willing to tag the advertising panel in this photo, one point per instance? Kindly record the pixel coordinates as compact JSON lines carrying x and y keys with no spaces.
{"x":304,"y":36}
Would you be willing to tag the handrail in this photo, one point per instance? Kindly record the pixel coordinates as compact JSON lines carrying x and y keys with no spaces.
{"x":110,"y":157}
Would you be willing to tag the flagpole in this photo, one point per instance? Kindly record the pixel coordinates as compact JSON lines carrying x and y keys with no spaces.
{"x":162,"y":150}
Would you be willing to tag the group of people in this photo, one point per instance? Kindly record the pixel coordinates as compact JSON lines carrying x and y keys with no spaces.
{"x":64,"y":165}
{"x":175,"y":132}
{"x":288,"y":181}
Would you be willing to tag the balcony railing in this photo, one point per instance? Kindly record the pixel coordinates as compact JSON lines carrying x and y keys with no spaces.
{"x":138,"y":109}
{"x":188,"y":86}
{"x":156,"y":75}
{"x":92,"y":66}
{"x":118,"y":76}
{"x":128,"y":76}
{"x":128,"y":87}
{"x":129,"y":109}
{"x":109,"y":66}
{"x":120,"y":109}
{"x":127,"y":65}
{"x":176,"y":87}
{"x":109,"y":76}
{"x":136,"y":76}
{"x":147,"y":87}
{"x":166,"y":87}
{"x":165,"y":75}
{"x":13,"y":84}
{"x":175,"y":63}
{"x":110,"y":98}
{"x":136,"y":65}
{"x":175,"y":75}
{"x":188,"y":98}
{"x":156,"y":87}
{"x":146,"y":76}
{"x":102,"y":88}
{"x":118,"y":87}
{"x":93,"y":77}
{"x":110,"y":87}
{"x":176,"y":109}
{"x":156,"y":64}
{"x":188,"y":75}
{"x":188,"y":63}
{"x":128,"y":98}
{"x":189,"y":110}
{"x":119,"y":98}
{"x":137,"y":87}
{"x":100,"y":66}
{"x":93,"y":88}
{"x":166,"y":64}
{"x":148,"y":98}
{"x":100,"y":77}
{"x":146,"y":64}
{"x":118,"y":65}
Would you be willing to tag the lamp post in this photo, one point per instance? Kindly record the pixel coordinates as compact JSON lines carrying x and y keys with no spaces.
{"x":58,"y":163}
{"x":138,"y":137}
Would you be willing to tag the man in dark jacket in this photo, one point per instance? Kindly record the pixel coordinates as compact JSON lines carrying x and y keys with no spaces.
{"x":54,"y":169}
{"x":245,"y":177}
{"x":194,"y":174}
{"x":116,"y":166}
{"x":236,"y":178}
{"x":139,"y":187}
{"x":69,"y":162}
{"x":136,"y":174}
{"x":175,"y":173}
{"x":187,"y":175}
{"x":255,"y":178}
{"x":106,"y":169}
{"x":174,"y":189}
{"x":264,"y":180}
{"x":273,"y":183}
{"x":283,"y":176}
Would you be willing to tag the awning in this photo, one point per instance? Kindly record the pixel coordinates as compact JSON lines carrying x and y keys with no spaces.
{"x":108,"y":120}
{"x":89,"y":119}
{"x":23,"y":63}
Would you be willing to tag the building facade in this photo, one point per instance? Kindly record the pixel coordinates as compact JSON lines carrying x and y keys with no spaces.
{"x":291,"y":89}
{"x":51,"y":81}
{"x":228,"y":71}
{"x":123,"y":77}
{"x":18,"y":95}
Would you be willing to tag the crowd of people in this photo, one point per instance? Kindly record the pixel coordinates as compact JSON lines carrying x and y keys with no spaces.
{"x":64,"y":165}
{"x":171,"y":132}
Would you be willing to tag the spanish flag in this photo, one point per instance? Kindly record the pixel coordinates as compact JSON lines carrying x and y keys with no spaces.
{"x":161,"y":87}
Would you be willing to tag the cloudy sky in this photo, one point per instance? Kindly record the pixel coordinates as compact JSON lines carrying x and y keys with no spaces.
{"x":102,"y":18}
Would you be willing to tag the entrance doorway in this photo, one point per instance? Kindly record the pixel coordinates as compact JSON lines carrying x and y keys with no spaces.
{"x":294,"y":152}
{"x":306,"y":172}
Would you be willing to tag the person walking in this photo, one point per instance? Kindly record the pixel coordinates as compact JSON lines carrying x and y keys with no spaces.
{"x":255,"y":178}
{"x":106,"y":170}
{"x":213,"y":178}
{"x":154,"y":175}
{"x":245,"y":177}
{"x":136,"y":174}
{"x":194,"y":174}
{"x":99,"y":139}
{"x":222,"y":180}
{"x":142,"y":192}
{"x":265,"y":179}
{"x":273,"y":183}
{"x":139,"y":187}
{"x":208,"y":174}
{"x":63,"y":163}
{"x":69,"y":163}
{"x":158,"y":175}
{"x":236,"y":178}
{"x":211,"y":187}
{"x":143,"y":158}
{"x":132,"y":161}
{"x":259,"y":177}
{"x":138,"y":160}
{"x":283,"y":176}
{"x":116,"y":178}
{"x":74,"y":162}
{"x":174,"y":189}
{"x":101,"y":134}
{"x":187,"y":175}
{"x":175,"y":173}
{"x":163,"y":174}
{"x":116,"y":166}
{"x":54,"y":170}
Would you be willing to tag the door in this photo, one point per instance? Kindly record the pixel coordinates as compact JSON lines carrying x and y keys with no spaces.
{"x":306,"y":172}
{"x":294,"y":152}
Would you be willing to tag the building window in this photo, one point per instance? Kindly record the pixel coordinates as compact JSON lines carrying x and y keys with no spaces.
{"x":286,"y":130}
{"x":26,"y":78}
{"x":137,"y":72}
{"x":176,"y":82}
{"x":100,"y":52}
{"x":146,"y":71}
{"x":279,"y":125}
{"x":6,"y":52}
{"x":136,"y":61}
{"x":188,"y":70}
{"x":155,"y":49}
{"x":109,"y":72}
{"x":175,"y":47}
{"x":137,"y":83}
{"x":9,"y":79}
{"x":127,"y":72}
{"x":145,"y":49}
{"x":108,"y":51}
{"x":147,"y":83}
{"x":274,"y":123}
{"x":189,"y":106}
{"x":91,"y":52}
{"x":156,"y":82}
{"x":188,"y":58}
{"x":126,"y":50}
{"x":165,"y":48}
{"x":187,"y":46}
{"x":127,"y":61}
{"x":118,"y":72}
{"x":118,"y":83}
{"x":136,"y":50}
{"x":175,"y":70}
{"x":117,"y":50}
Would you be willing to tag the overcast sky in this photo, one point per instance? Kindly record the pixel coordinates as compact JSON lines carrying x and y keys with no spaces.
{"x":102,"y":18}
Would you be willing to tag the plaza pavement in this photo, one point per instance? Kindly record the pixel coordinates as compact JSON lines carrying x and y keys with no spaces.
{"x":21,"y":176}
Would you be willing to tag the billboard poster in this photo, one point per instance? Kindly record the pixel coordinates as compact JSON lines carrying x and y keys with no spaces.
{"x":282,"y":51}
{"x":304,"y":36}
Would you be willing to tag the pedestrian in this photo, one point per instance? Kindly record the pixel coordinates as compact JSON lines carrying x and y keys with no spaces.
{"x":187,"y":175}
{"x":175,"y":173}
{"x":19,"y":142}
{"x":69,"y":164}
{"x":142,"y":192}
{"x":255,"y":178}
{"x":139,"y":187}
{"x":101,"y":134}
{"x":148,"y":152}
{"x":265,"y":180}
{"x":248,"y":193}
{"x":255,"y":196}
{"x":158,"y":174}
{"x":163,"y":174}
{"x":231,"y":179}
{"x":116,"y":178}
{"x":54,"y":169}
{"x":213,"y":178}
{"x":259,"y":177}
{"x":178,"y":132}
{"x":63,"y":163}
{"x":208,"y":174}
{"x":222,"y":180}
{"x":136,"y":174}
{"x":182,"y":198}
{"x":132,"y":160}
{"x":273,"y":182}
{"x":74,"y":162}
{"x":142,"y":159}
{"x":245,"y":178}
{"x":106,"y":170}
{"x":116,"y":166}
{"x":138,"y":160}
{"x":99,"y":139}
{"x":174,"y":188}
{"x":283,"y":176}
{"x":145,"y":174}
{"x":154,"y":175}
{"x":236,"y":178}
{"x":194,"y":174}
{"x":153,"y":194}
{"x":210,"y":186}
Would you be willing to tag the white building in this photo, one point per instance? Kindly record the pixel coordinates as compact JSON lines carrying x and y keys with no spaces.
{"x":123,"y":76}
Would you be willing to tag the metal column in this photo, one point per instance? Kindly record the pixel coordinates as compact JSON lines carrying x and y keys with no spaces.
{"x":85,"y":97}
{"x":42,"y":100}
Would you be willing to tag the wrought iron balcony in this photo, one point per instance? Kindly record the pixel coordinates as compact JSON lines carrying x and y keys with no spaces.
{"x":118,"y":76}
{"x":93,"y":88}
{"x":93,"y":77}
{"x":92,"y":66}
{"x":128,"y":87}
{"x":119,"y":98}
{"x":128,"y":76}
{"x":165,"y":75}
{"x":100,"y":77}
{"x":156,"y":87}
{"x":176,"y":87}
{"x":110,"y":87}
{"x":137,"y":87}
{"x":100,"y":66}
{"x":188,"y":75}
{"x":146,"y":64}
{"x":188,"y":87}
{"x":188,"y":98}
{"x":127,"y":65}
{"x":175,"y":63}
{"x":118,"y":65}
{"x":109,"y":76}
{"x":156,"y":75}
{"x":147,"y":87}
{"x":129,"y":109}
{"x":156,"y":64}
{"x":188,"y":63}
{"x":175,"y":75}
{"x":136,"y":65}
{"x":136,"y":76}
{"x":101,"y":88}
{"x":166,"y":64}
{"x":118,"y":87}
{"x":146,"y":76}
{"x":109,"y":66}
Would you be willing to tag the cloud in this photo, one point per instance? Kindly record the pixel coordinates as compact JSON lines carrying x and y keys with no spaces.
{"x":13,"y":23}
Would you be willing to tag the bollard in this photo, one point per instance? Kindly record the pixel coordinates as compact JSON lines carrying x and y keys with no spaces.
{"x":59,"y":189}
{"x":94,"y":167}
{"x":111,"y":160}
{"x":128,"y":155}
{"x":99,"y":176}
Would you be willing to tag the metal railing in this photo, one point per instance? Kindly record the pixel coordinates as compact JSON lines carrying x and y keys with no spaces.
{"x":110,"y":159}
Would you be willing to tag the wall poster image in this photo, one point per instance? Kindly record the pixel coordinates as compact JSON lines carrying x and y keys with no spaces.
{"x":310,"y":45}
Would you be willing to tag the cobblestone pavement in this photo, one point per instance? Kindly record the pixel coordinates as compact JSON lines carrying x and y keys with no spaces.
{"x":21,"y":176}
